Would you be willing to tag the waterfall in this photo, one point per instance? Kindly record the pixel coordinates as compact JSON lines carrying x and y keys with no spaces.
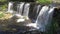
{"x":10,"y":7}
{"x":20,"y":8}
{"x":26,"y":9}
{"x":41,"y":19}
{"x":35,"y":12}
{"x":38,"y":8}
{"x":50,"y":14}
{"x":44,"y":18}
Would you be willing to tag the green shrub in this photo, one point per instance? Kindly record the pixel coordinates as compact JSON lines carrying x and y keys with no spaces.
{"x":3,"y":0}
{"x":44,"y":1}
{"x":1,"y":14}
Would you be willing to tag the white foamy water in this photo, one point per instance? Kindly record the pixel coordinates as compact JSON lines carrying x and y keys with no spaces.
{"x":10,"y":7}
{"x":38,"y":8}
{"x":44,"y":18}
{"x":20,"y":8}
{"x":26,"y":9}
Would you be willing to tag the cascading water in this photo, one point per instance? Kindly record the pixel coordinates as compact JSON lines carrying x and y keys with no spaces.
{"x":50,"y":14}
{"x":35,"y":12}
{"x":41,"y":19}
{"x":10,"y":7}
{"x":38,"y":8}
{"x":26,"y":9}
{"x":44,"y":18}
{"x":20,"y":8}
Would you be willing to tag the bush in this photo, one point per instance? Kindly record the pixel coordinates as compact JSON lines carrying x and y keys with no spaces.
{"x":44,"y":1}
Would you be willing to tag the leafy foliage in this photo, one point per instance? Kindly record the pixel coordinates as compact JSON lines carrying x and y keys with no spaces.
{"x":3,"y":0}
{"x":3,"y":4}
{"x":44,"y":1}
{"x":1,"y":14}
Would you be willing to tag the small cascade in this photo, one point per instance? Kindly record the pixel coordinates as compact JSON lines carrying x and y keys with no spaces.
{"x":26,"y":9}
{"x":36,"y":11}
{"x":44,"y":18}
{"x":38,"y":8}
{"x":50,"y":14}
{"x":20,"y":8}
{"x":40,"y":17}
{"x":10,"y":7}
